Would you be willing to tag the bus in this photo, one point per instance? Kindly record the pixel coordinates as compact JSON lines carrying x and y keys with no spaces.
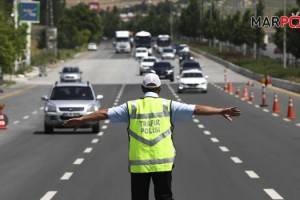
{"x":143,"y":39}
{"x":162,"y":41}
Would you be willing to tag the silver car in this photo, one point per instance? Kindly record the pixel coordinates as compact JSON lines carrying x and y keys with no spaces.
{"x":69,"y":100}
{"x":70,"y":74}
{"x":147,"y":64}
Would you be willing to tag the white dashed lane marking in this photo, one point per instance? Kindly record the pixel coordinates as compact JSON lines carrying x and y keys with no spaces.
{"x":251,"y":174}
{"x":88,"y":150}
{"x":104,"y":127}
{"x":273,"y":194}
{"x":200,"y":126}
{"x":215,"y":140}
{"x":100,"y":133}
{"x":94,"y":141}
{"x":49,"y":195}
{"x":78,"y":161}
{"x":196,"y":120}
{"x":26,"y":117}
{"x":236,"y":160}
{"x":206,"y":132}
{"x":224,"y":149}
{"x":66,"y":176}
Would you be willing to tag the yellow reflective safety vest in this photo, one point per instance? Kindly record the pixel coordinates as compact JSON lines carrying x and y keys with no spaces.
{"x":151,"y":147}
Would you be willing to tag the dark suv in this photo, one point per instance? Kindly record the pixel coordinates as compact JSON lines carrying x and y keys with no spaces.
{"x":69,"y":100}
{"x":185,"y":55}
{"x":164,"y":70}
{"x":189,"y":64}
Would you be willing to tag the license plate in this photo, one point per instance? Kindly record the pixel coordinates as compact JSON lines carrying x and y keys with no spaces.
{"x":71,"y":114}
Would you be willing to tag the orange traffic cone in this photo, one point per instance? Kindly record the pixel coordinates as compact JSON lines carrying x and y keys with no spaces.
{"x":230,"y":88}
{"x":245,"y":96}
{"x":237,"y":92}
{"x":291,"y":113}
{"x":2,"y":120}
{"x":251,"y":97}
{"x":276,"y":104}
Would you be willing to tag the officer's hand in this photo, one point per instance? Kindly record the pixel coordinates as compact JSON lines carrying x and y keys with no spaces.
{"x":231,"y":112}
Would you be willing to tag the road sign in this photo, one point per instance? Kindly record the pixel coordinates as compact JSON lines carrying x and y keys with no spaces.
{"x":29,"y":11}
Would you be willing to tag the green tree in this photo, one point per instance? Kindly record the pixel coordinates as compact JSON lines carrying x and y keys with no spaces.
{"x":111,"y":22}
{"x":189,"y":20}
{"x":76,"y":21}
{"x":13,"y":42}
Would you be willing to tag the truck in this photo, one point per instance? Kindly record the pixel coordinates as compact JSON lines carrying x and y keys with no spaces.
{"x":122,"y":41}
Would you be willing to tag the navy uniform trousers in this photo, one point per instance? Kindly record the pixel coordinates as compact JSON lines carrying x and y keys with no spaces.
{"x":140,"y":183}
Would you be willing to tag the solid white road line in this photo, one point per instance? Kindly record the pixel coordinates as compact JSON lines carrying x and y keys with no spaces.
{"x":78,"y":161}
{"x":251,"y":174}
{"x":224,"y":149}
{"x":66,"y":176}
{"x":236,"y":160}
{"x":88,"y":150}
{"x":273,"y":194}
{"x":49,"y":195}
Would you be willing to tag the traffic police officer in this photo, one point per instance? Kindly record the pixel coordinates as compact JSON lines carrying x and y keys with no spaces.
{"x":150,"y":123}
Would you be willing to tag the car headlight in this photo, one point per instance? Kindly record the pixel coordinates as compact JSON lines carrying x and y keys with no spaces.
{"x":50,"y":107}
{"x":192,"y":57}
{"x":169,"y":71}
{"x":92,"y":108}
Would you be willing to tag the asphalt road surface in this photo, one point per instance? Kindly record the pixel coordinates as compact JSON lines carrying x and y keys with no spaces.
{"x":255,"y":157}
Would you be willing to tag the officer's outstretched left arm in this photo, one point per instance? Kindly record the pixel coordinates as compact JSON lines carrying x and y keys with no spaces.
{"x":226,"y":112}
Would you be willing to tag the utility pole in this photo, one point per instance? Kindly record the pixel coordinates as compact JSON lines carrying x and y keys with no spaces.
{"x":255,"y":37}
{"x":51,"y":32}
{"x":284,"y":36}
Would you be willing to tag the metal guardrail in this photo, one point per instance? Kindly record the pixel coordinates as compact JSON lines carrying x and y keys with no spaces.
{"x":284,"y":84}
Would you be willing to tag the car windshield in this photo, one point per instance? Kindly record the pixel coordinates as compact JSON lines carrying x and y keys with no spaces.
{"x":184,"y":53}
{"x":141,"y":50}
{"x":72,"y":93}
{"x":162,"y":65}
{"x":192,"y":75}
{"x":168,"y":50}
{"x":191,"y":64}
{"x":149,"y":60}
{"x":70,"y":70}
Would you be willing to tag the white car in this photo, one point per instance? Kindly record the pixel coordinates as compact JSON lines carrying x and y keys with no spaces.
{"x":147,"y":64}
{"x":167,"y":53}
{"x":141,"y":52}
{"x":92,"y":46}
{"x":192,"y":80}
{"x":184,"y":47}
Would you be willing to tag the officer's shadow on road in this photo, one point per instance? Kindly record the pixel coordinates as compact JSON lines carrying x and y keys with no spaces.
{"x":65,"y":132}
